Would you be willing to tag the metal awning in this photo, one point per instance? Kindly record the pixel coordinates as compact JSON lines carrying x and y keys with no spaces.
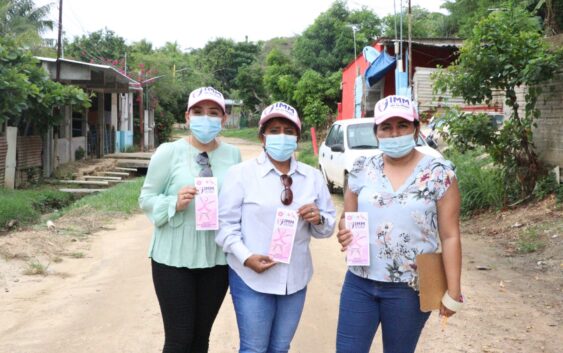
{"x":95,"y":77}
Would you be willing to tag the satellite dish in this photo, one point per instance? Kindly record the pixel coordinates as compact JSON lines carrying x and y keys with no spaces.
{"x":370,"y":54}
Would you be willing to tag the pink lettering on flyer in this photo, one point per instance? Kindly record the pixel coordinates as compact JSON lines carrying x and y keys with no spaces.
{"x":206,"y":204}
{"x":357,"y":253}
{"x":283,"y":235}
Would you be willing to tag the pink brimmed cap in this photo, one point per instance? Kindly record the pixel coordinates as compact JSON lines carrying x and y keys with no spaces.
{"x":392,"y":106}
{"x":206,"y":94}
{"x":280,"y":110}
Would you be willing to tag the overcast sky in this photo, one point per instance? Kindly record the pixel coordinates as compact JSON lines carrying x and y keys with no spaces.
{"x":193,"y":23}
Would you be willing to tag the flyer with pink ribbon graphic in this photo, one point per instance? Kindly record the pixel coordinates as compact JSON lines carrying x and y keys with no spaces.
{"x":285,"y":228}
{"x":357,"y":253}
{"x":206,"y":204}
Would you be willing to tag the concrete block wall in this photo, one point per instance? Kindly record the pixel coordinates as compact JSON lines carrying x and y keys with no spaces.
{"x":548,"y":136}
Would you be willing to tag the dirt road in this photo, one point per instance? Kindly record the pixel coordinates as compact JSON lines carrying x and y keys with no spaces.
{"x":105,"y":302}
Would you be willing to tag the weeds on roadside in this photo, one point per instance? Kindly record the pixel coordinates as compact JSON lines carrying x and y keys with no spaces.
{"x":480,"y":182}
{"x":306,"y":154}
{"x":77,"y":255}
{"x":36,"y":268}
{"x":25,"y":206}
{"x":546,"y":186}
{"x":530,"y":240}
{"x":249,"y":133}
{"x":120,"y":199}
{"x":559,"y":194}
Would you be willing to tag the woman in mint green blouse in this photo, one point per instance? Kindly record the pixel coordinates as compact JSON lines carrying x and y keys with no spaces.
{"x":189,"y":270}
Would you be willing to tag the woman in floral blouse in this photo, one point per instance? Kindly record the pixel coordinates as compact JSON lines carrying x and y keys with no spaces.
{"x":413,"y":205}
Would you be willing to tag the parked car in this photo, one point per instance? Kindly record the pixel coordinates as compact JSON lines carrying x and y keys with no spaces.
{"x":438,"y":124}
{"x":346,"y":141}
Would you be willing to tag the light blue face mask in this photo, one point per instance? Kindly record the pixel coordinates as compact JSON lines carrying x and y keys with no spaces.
{"x":397,"y":147}
{"x":280,"y":147}
{"x":205,"y":128}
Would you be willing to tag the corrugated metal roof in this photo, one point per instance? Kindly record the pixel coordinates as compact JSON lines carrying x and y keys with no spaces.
{"x":106,"y":68}
{"x":434,"y":42}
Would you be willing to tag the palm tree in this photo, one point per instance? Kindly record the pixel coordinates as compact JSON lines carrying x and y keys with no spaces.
{"x":22,"y":20}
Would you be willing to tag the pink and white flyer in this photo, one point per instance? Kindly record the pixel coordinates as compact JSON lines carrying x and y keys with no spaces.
{"x":357,"y":253}
{"x":206,"y":204}
{"x":285,"y":228}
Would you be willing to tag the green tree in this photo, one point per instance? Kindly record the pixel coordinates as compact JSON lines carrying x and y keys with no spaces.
{"x":328,"y":44}
{"x":316,"y":95}
{"x":551,"y":12}
{"x":506,"y":51}
{"x":425,"y":24}
{"x":280,"y":77}
{"x":23,"y":21}
{"x":465,"y":14}
{"x":250,"y":88}
{"x":142,"y":47}
{"x":100,"y":47}
{"x":29,"y":97}
{"x":222,"y":58}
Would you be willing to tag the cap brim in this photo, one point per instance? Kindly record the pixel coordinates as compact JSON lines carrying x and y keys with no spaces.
{"x":390,"y":115}
{"x":272,"y":115}
{"x":199,"y":100}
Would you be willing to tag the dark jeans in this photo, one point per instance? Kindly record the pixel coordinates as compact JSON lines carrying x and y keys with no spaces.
{"x":364,"y":304}
{"x":189,"y":302}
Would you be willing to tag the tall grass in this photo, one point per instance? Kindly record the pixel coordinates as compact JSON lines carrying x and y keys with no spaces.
{"x":121,"y":199}
{"x":480,"y":182}
{"x":249,"y":133}
{"x":26,"y":206}
{"x":306,"y":154}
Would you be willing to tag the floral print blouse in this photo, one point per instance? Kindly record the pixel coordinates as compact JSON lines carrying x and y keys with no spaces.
{"x":402,"y":223}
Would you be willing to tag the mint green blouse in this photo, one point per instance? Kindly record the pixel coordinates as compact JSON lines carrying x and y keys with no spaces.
{"x":175,"y":242}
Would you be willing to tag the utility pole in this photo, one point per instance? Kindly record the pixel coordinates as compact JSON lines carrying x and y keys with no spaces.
{"x":141,"y":113}
{"x":59,"y":42}
{"x":410,"y":49}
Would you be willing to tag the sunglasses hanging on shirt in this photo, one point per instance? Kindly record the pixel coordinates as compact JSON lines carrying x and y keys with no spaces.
{"x":286,"y":194}
{"x":202,"y":160}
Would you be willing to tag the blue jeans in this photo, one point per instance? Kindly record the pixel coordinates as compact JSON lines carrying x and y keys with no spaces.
{"x":365,"y":303}
{"x":266,"y":322}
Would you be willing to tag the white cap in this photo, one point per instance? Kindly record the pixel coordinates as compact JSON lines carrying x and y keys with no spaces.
{"x":280,"y":110}
{"x":206,"y":94}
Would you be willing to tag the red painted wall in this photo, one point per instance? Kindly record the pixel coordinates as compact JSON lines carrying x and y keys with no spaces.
{"x":348,"y":77}
{"x":424,"y":56}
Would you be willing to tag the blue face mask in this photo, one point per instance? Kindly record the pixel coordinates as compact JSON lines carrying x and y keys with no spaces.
{"x":397,"y":147}
{"x":205,"y":128}
{"x":280,"y":147}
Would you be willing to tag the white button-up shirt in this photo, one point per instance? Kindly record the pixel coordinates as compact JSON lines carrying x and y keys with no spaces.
{"x":249,"y":199}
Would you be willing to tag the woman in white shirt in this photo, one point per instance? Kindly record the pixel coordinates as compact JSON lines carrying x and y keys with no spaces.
{"x":268,"y":294}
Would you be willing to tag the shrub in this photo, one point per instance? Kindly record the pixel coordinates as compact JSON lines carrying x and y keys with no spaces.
{"x":480,"y":182}
{"x":26,"y":206}
{"x":50,"y":200}
{"x":79,"y":153}
{"x":559,"y":195}
{"x":546,"y":186}
{"x":306,"y":155}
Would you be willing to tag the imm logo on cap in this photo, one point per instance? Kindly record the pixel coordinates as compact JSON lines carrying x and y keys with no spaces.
{"x":206,"y":93}
{"x":395,"y":106}
{"x":280,"y":110}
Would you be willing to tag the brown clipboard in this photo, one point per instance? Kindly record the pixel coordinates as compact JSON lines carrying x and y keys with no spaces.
{"x":431,"y":280}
